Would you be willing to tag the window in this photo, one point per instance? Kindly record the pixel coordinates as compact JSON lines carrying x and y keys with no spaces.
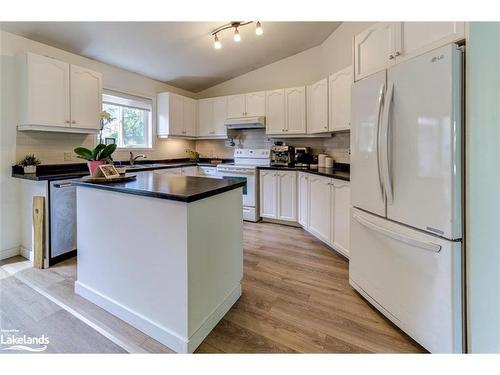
{"x":131,"y":125}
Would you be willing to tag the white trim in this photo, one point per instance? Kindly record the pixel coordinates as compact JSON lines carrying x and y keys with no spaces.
{"x":56,"y":129}
{"x":9,"y":253}
{"x":26,"y":253}
{"x":171,"y":339}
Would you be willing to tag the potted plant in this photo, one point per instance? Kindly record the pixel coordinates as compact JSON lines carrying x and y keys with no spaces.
{"x":29,"y":163}
{"x":100,"y":155}
{"x":193,"y":155}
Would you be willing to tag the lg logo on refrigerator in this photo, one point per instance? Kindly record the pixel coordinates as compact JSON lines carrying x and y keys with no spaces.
{"x":437,"y":58}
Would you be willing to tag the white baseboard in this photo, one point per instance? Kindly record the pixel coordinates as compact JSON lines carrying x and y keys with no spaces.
{"x":9,"y":253}
{"x":171,"y":339}
{"x":26,"y":253}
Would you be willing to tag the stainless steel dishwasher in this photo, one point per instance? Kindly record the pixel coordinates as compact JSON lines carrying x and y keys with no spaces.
{"x":62,"y":221}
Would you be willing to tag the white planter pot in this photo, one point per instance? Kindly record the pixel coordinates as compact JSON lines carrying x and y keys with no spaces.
{"x":30,"y":169}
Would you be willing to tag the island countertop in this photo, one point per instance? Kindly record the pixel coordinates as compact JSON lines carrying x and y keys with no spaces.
{"x":178,"y":188}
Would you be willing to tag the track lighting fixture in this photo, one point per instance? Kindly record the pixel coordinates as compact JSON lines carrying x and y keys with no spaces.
{"x":236,"y":25}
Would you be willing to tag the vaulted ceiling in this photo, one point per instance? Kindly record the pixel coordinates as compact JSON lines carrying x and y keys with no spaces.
{"x":178,"y":53}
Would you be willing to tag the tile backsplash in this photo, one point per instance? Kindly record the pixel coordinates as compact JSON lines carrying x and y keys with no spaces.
{"x":337,"y":146}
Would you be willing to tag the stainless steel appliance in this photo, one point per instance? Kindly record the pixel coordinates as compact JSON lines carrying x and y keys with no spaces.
{"x":62,"y":221}
{"x":245,"y":168}
{"x":303,"y":156}
{"x":282,"y":155}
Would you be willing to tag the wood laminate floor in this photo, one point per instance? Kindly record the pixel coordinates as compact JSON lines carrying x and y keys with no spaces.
{"x":296,"y":299}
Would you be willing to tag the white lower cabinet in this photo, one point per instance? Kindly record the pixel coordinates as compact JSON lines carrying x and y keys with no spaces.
{"x":278,"y":195}
{"x":323,"y":209}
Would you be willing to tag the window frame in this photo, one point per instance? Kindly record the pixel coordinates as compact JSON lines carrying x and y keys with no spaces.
{"x":135,"y":102}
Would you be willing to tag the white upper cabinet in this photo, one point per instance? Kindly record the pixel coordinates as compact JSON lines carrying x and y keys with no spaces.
{"x":275,"y":112}
{"x":317,"y":107}
{"x":86,"y":98}
{"x":176,"y":115}
{"x":415,"y":38}
{"x":286,"y":111}
{"x":211,"y":117}
{"x":189,"y":117}
{"x":340,"y":99}
{"x":374,"y":48}
{"x":57,"y":96}
{"x":246,"y":105}
{"x":387,"y":43}
{"x":236,"y":106}
{"x":255,"y":104}
{"x":295,"y":110}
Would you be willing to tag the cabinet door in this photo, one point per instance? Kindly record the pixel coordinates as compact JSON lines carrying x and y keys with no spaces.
{"x":295,"y":109}
{"x":47,"y":91}
{"x":317,"y":107}
{"x":236,"y":106}
{"x":219,"y":115}
{"x":340,"y":99}
{"x":205,"y":118}
{"x":255,"y":104}
{"x":341,"y":216}
{"x":189,"y":117}
{"x":287,"y":195}
{"x":275,"y":112}
{"x":374,"y":48}
{"x":320,"y":207}
{"x":175,"y":115}
{"x":303,"y":199}
{"x":268,"y":203}
{"x":86,"y":98}
{"x":416,"y":38}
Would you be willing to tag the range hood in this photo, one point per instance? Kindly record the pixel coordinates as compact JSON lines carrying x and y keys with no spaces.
{"x":258,"y":122}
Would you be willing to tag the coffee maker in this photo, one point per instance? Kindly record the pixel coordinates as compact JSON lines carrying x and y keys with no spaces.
{"x":282,"y":155}
{"x":303,"y":157}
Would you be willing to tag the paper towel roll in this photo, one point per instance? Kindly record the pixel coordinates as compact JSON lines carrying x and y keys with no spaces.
{"x":329,"y":162}
{"x":321,"y":160}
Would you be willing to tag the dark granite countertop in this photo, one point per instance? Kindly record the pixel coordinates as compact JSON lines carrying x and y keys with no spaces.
{"x":54,"y":172}
{"x":338,"y":173}
{"x":178,"y":188}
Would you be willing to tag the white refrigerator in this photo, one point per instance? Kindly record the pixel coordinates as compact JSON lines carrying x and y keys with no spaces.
{"x":406,"y":194}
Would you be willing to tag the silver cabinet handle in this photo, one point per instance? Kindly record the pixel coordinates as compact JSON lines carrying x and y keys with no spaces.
{"x":73,"y":122}
{"x":67,"y":122}
{"x":63,"y":185}
{"x":398,"y":53}
{"x":391,"y":57}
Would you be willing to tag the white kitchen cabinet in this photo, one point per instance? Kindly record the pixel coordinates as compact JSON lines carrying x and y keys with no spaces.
{"x":374,"y":48}
{"x":57,"y":96}
{"x":189,"y":171}
{"x":295,"y":110}
{"x":339,"y":87}
{"x":317,"y":107}
{"x":86,"y":98}
{"x":415,"y":38}
{"x":320,"y":207}
{"x":386,"y":43}
{"x":287,"y":195}
{"x":211,"y":117}
{"x":268,"y":191}
{"x":303,"y":199}
{"x":236,"y":106}
{"x":246,"y":105}
{"x":275,"y":112}
{"x":176,"y":115}
{"x":205,"y":171}
{"x":255,"y":103}
{"x":341,"y":216}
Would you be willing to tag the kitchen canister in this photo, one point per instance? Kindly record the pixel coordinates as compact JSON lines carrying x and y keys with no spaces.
{"x":322,"y":160}
{"x":329,"y":162}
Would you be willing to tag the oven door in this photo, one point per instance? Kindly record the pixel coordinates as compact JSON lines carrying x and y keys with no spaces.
{"x":248,"y":189}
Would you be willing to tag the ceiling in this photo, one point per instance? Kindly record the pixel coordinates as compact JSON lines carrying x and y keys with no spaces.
{"x":177,"y":53}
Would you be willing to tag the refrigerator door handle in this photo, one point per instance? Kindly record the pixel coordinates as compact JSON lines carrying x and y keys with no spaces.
{"x":379,"y":117}
{"x":386,"y":176}
{"x":398,"y":236}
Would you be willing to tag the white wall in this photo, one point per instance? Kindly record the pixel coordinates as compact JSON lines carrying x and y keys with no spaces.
{"x":482,"y":187}
{"x":50,"y":148}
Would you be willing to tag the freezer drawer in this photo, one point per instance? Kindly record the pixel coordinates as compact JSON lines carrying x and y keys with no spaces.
{"x":413,"y":278}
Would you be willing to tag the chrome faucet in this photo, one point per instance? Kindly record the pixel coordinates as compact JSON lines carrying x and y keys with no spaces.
{"x":134,"y":158}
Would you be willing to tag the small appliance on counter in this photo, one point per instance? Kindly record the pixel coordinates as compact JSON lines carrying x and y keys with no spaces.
{"x":303,"y":157}
{"x":282,"y":155}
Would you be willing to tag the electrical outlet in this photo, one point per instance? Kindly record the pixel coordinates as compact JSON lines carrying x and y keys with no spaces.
{"x":68,"y":156}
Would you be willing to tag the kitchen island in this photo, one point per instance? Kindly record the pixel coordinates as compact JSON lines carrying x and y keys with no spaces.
{"x":163,"y":253}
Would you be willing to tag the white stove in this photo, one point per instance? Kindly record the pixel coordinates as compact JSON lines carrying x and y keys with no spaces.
{"x":244,"y":168}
